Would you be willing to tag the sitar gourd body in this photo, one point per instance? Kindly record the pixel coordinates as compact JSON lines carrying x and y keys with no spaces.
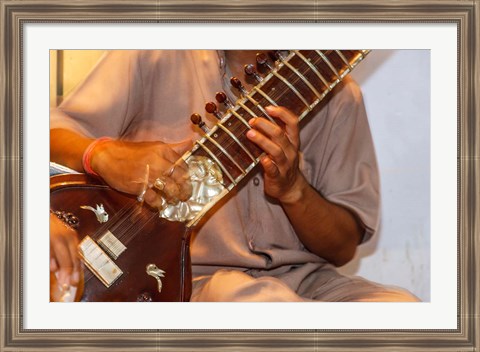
{"x":148,"y":240}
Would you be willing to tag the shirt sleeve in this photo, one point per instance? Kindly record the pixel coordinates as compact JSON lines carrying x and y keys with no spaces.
{"x":105,"y":103}
{"x":348,"y":173}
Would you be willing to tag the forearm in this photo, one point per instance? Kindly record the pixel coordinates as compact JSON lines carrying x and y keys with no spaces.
{"x":326,"y":229}
{"x":127,"y":166}
{"x":67,"y":148}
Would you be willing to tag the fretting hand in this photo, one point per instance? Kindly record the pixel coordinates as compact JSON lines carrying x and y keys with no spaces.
{"x":283,"y":179}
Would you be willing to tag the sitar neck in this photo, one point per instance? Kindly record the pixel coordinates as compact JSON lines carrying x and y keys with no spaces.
{"x":299,"y":81}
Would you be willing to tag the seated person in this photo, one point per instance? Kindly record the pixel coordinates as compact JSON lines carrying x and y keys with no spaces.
{"x":279,"y":235}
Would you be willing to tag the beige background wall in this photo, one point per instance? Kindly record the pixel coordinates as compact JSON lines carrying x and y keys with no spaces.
{"x":67,"y":69}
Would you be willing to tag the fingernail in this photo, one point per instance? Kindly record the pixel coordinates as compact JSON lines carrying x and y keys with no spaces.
{"x":251,"y":121}
{"x":269,"y":108}
{"x":251,"y":133}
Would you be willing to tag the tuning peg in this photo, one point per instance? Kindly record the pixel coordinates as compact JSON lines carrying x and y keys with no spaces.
{"x":279,"y":55}
{"x":250,"y":71}
{"x":238,"y":84}
{"x":211,"y":108}
{"x":262,"y":59}
{"x":222,"y":98}
{"x":197,"y":120}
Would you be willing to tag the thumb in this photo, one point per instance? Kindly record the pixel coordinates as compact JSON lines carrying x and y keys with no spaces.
{"x":182,"y":147}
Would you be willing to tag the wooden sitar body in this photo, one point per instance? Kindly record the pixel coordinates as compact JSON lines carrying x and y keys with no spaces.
{"x":148,"y":238}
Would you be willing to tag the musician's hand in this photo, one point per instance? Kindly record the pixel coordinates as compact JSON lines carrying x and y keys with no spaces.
{"x":123,"y":165}
{"x":64,"y":260}
{"x":283,"y":179}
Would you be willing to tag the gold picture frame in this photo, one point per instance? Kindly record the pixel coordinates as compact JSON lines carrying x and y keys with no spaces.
{"x":15,"y":14}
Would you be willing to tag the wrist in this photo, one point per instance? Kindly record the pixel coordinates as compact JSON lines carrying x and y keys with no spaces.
{"x":89,"y":154}
{"x":296,"y":193}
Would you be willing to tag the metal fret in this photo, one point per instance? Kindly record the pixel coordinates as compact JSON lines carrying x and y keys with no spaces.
{"x":314,"y":69}
{"x":219,"y":163}
{"x":224,"y":151}
{"x":302,"y":77}
{"x":257,"y":105}
{"x":251,"y":112}
{"x":242,"y":105}
{"x":292,"y":88}
{"x":265,"y":95}
{"x":344,"y":59}
{"x":237,"y":141}
{"x":363,"y":53}
{"x":238,"y":116}
{"x":329,"y":64}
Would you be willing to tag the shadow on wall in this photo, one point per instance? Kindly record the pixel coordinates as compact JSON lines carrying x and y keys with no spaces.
{"x":362,"y":74}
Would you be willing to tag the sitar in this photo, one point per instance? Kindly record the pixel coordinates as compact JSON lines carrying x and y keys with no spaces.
{"x":132,"y":252}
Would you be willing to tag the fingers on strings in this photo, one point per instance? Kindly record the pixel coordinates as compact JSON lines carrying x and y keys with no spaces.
{"x":170,"y":187}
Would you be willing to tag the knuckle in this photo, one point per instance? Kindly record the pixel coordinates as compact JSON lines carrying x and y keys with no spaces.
{"x":277,"y":132}
{"x":278,"y":154}
{"x":172,"y":191}
{"x":150,"y":196}
{"x":187,"y":191}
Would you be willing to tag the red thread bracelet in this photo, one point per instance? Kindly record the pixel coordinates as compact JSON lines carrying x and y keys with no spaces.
{"x":87,"y":154}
